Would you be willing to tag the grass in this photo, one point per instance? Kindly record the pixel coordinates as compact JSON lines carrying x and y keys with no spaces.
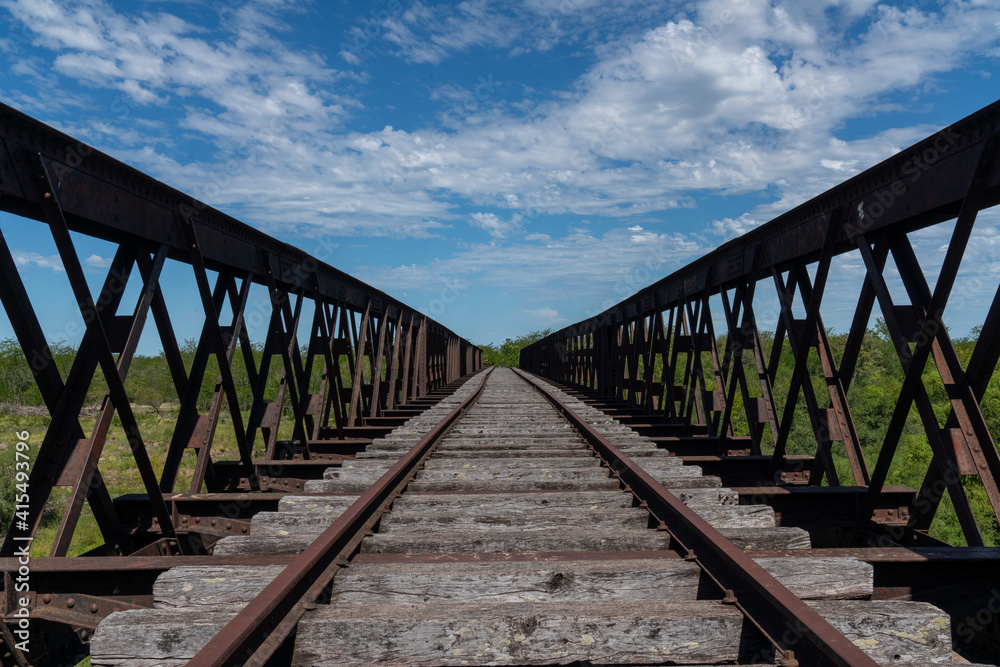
{"x":117,"y":466}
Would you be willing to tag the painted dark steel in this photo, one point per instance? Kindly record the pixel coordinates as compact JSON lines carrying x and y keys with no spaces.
{"x":951,"y":175}
{"x":53,"y":178}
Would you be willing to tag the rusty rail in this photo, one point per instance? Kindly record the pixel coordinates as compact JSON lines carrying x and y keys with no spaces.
{"x":769,"y":604}
{"x":260,"y":628}
{"x":395,"y":356}
{"x":619,"y":353}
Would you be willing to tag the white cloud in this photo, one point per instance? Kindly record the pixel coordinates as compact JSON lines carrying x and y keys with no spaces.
{"x":496,"y":227}
{"x":97,"y":262}
{"x":26,"y":259}
{"x":252,"y":78}
{"x":545,"y":317}
{"x":716,"y":98}
{"x":588,"y":266}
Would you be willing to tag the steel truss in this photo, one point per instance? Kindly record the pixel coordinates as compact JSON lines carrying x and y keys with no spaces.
{"x":395,"y":357}
{"x":659,"y":354}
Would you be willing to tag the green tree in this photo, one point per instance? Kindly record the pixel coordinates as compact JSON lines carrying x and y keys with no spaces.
{"x":508,"y":353}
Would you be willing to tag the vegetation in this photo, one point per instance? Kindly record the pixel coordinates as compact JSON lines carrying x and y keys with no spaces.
{"x":871,"y":397}
{"x":508,"y":353}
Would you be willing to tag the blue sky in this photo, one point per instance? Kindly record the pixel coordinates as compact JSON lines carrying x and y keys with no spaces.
{"x":502,"y":166}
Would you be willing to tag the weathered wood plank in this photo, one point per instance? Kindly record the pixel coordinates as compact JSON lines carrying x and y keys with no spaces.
{"x":892,"y":631}
{"x":530,"y":484}
{"x":527,"y":502}
{"x":211,"y":588}
{"x":525,"y":581}
{"x":263,"y":544}
{"x":474,"y":518}
{"x":822,"y":578}
{"x":546,"y":463}
{"x":767,"y":538}
{"x":315,"y":503}
{"x":736,"y":516}
{"x":695,"y":497}
{"x":522,"y":634}
{"x":568,"y":539}
{"x":586,"y":471}
{"x":154,"y":637}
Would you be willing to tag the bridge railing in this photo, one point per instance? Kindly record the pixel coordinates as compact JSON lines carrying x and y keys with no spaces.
{"x":364,"y":352}
{"x":660,"y":352}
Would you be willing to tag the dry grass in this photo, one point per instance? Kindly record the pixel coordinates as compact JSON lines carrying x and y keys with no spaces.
{"x":118,"y":467}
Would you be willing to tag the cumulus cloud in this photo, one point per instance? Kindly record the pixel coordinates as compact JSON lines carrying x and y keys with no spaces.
{"x":546,"y":317}
{"x":666,"y":105}
{"x":26,"y":259}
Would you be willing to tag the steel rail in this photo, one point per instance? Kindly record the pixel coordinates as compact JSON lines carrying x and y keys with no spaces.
{"x":918,"y":187}
{"x":284,"y":600}
{"x":770,"y":605}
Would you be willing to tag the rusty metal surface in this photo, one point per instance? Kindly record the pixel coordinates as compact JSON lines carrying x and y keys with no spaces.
{"x":669,"y":326}
{"x":255,"y":628}
{"x":43,"y":177}
{"x":771,"y":606}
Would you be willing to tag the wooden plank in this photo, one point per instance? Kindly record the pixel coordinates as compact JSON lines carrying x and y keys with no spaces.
{"x":821,"y":578}
{"x":524,"y":581}
{"x":211,"y":588}
{"x":567,"y":539}
{"x":523,"y":634}
{"x":526,"y":502}
{"x":154,"y":637}
{"x":892,"y":631}
{"x":474,"y":519}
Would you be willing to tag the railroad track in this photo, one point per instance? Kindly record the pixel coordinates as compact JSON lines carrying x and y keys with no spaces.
{"x":512,"y":524}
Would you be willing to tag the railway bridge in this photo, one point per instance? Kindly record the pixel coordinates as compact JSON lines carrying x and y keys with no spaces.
{"x":668,"y":482}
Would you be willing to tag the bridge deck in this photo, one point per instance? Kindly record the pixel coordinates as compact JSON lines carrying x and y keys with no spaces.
{"x":515,"y":543}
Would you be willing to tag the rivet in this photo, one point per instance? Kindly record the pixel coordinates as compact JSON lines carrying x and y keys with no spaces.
{"x":212,"y":522}
{"x":93,"y":608}
{"x":71,"y":603}
{"x":47,"y":598}
{"x":197,"y":519}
